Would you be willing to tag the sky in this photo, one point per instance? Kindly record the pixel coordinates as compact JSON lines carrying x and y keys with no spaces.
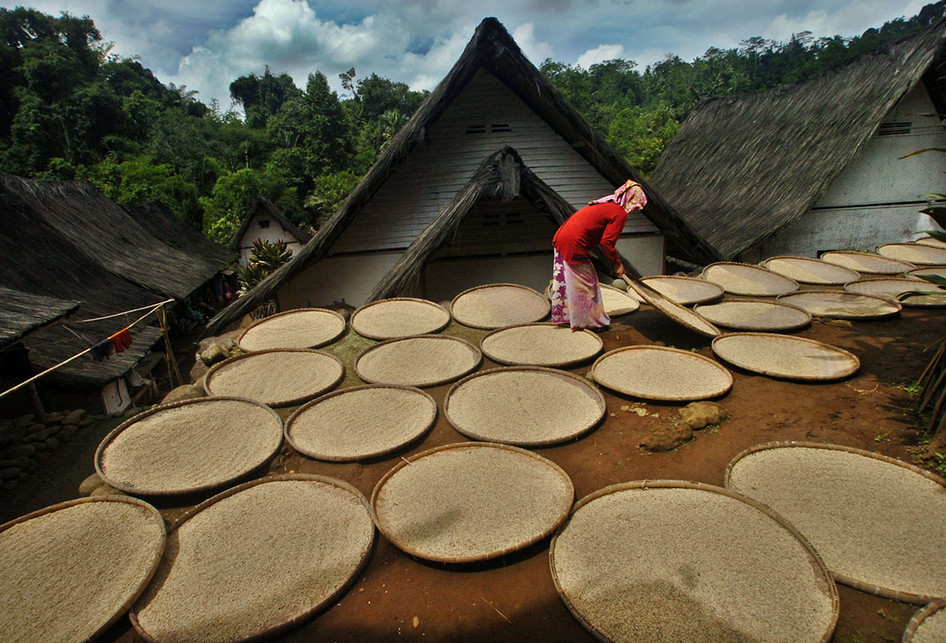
{"x":204,"y":45}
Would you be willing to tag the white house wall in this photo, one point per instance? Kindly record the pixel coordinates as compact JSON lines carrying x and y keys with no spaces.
{"x":644,"y":252}
{"x":272,"y":233}
{"x":443,"y":280}
{"x":349,"y":279}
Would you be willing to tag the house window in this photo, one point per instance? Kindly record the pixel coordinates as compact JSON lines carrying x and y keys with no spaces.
{"x":500,"y":127}
{"x":475,"y":129}
{"x":894,"y":128}
{"x":494,"y":128}
{"x":264,"y":223}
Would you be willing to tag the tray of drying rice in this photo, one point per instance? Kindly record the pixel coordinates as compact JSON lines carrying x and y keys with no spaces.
{"x":542,"y":344}
{"x":680,"y":314}
{"x":301,"y":328}
{"x":842,"y":305}
{"x":399,"y":317}
{"x":877,"y":522}
{"x":524,"y":406}
{"x":498,"y":305}
{"x":618,"y":302}
{"x":685,"y":291}
{"x":916,"y":253}
{"x":661,"y":373}
{"x":747,"y":279}
{"x":473,"y":501}
{"x":361,"y":422}
{"x":937,"y":271}
{"x":806,"y":270}
{"x":189,"y":446}
{"x":425,"y":360}
{"x":758,"y":315}
{"x":928,"y":625}
{"x":276,"y":377}
{"x":913,"y":292}
{"x":931,"y":241}
{"x":786,"y":356}
{"x":866,"y":262}
{"x":669,"y":561}
{"x":69,"y":571}
{"x":256,"y":560}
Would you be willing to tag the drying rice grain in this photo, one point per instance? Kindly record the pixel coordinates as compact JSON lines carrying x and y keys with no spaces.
{"x":747,"y":279}
{"x":661,"y":373}
{"x":785,"y":356}
{"x":915,"y":253}
{"x":541,"y":345}
{"x":399,"y":317}
{"x":303,"y":328}
{"x":617,"y":302}
{"x":276,"y":377}
{"x":928,"y":625}
{"x":811,"y":271}
{"x":842,"y":305}
{"x":674,"y":311}
{"x":684,"y":290}
{"x":866,"y":262}
{"x":499,"y":305}
{"x":427,"y":360}
{"x":755,"y":315}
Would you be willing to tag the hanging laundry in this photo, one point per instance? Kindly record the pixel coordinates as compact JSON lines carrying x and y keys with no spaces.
{"x":102,"y":350}
{"x":121,"y":340}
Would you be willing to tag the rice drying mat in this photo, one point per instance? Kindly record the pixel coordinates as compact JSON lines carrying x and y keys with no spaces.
{"x":425,"y":360}
{"x":399,"y":317}
{"x":867,"y":262}
{"x":360,"y":423}
{"x":472,"y":501}
{"x":931,"y":241}
{"x":618,"y":302}
{"x":301,"y":328}
{"x":498,"y":305}
{"x":256,"y":560}
{"x":661,"y":373}
{"x":745,"y":314}
{"x":542,"y":344}
{"x":877,"y":522}
{"x":276,"y":377}
{"x":806,"y":270}
{"x":842,"y":305}
{"x":786,"y":356}
{"x":916,"y":253}
{"x":683,"y":561}
{"x":908,"y":292}
{"x":928,"y":625}
{"x":747,"y":279}
{"x":939,"y":271}
{"x":680,"y":314}
{"x":524,"y":406}
{"x":69,"y":571}
{"x":189,"y":446}
{"x":685,"y":291}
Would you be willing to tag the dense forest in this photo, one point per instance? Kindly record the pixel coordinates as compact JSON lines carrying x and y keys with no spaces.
{"x":70,"y":109}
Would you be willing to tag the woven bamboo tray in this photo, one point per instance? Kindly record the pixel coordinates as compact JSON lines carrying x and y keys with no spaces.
{"x":399,"y":317}
{"x":361,"y":423}
{"x":747,"y":279}
{"x":256,"y":560}
{"x":300,"y":328}
{"x":542,"y":344}
{"x":867,"y":262}
{"x":928,"y":625}
{"x":905,"y":291}
{"x":786,"y":356}
{"x":498,"y":305}
{"x":806,"y":270}
{"x":931,"y":241}
{"x":524,"y":406}
{"x":915,"y":253}
{"x":939,"y":271}
{"x":685,"y":291}
{"x":69,"y":571}
{"x":189,"y":446}
{"x":842,"y":305}
{"x":677,"y":561}
{"x":661,"y":373}
{"x":617,"y":302}
{"x":877,"y":522}
{"x":680,"y":314}
{"x":276,"y":377}
{"x":755,"y":315}
{"x":469,"y":502}
{"x":422,"y":361}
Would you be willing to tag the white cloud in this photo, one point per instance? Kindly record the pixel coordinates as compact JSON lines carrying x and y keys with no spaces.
{"x":600,"y":54}
{"x":535,"y":50}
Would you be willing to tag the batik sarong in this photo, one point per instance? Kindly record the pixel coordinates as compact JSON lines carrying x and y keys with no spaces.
{"x":576,"y":295}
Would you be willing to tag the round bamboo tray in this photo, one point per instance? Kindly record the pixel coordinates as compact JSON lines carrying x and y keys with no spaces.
{"x":276,"y":377}
{"x":939,"y":271}
{"x":747,"y":279}
{"x":524,"y":406}
{"x":542,"y":344}
{"x":656,"y":561}
{"x":915,"y":253}
{"x":422,"y":361}
{"x":912,"y":292}
{"x":685,"y":291}
{"x":495,"y":306}
{"x":69,"y":571}
{"x":661,"y":373}
{"x":806,"y":270}
{"x":190,"y":446}
{"x":256,"y":560}
{"x":842,"y":305}
{"x":680,"y":314}
{"x":931,"y":241}
{"x":755,"y":315}
{"x":300,"y":328}
{"x":877,"y":522}
{"x":928,"y":625}
{"x":399,"y":317}
{"x":867,"y":262}
{"x":469,"y":502}
{"x":786,"y":356}
{"x":361,"y":422}
{"x":617,"y":302}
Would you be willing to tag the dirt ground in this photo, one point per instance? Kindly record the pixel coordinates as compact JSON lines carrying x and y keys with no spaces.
{"x":397,"y":597}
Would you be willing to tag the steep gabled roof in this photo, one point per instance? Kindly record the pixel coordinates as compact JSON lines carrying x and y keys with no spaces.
{"x":740,"y":169}
{"x":493,"y":49}
{"x":165,"y":226}
{"x":21,"y":313}
{"x":272,"y":211}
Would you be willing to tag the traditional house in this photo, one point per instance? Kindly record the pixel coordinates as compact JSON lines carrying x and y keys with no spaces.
{"x":818,"y":165}
{"x":264,"y":222}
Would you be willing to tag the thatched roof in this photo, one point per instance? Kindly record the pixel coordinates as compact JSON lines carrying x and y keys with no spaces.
{"x":493,"y":49}
{"x":167,"y":227}
{"x":740,"y":169}
{"x":21,"y":313}
{"x":273,"y":212}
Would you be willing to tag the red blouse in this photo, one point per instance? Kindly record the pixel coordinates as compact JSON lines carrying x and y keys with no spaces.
{"x":598,"y":224}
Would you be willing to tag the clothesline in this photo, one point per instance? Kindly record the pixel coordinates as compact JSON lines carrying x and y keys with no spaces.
{"x":151,"y":309}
